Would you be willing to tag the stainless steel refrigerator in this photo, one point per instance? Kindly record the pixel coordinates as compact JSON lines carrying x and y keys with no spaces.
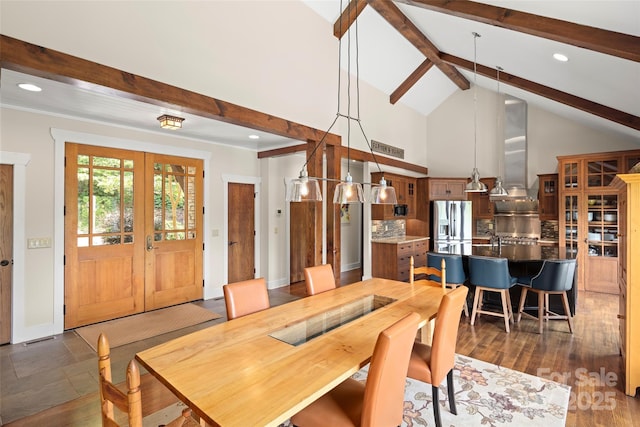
{"x":451,"y":226}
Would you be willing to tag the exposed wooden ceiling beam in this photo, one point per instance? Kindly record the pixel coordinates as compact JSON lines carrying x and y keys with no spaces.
{"x":610,"y":42}
{"x":591,"y":107}
{"x":404,"y":26}
{"x":348,"y":17}
{"x":27,"y":58}
{"x":411,"y":80}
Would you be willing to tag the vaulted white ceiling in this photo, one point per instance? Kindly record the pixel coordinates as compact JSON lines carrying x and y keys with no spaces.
{"x":386,"y":59}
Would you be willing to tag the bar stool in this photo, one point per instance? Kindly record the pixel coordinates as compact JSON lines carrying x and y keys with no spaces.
{"x":455,"y":271}
{"x":491,"y":275}
{"x":555,"y":278}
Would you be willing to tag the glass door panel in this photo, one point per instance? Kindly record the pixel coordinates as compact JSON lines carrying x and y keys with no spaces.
{"x":600,"y":173}
{"x":602,"y":225}
{"x":571,"y":171}
{"x":571,"y":223}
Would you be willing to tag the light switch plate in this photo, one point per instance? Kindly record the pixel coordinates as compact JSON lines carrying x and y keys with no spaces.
{"x":38,"y":242}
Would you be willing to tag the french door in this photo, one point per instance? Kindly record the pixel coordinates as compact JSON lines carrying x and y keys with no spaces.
{"x":133,"y":232}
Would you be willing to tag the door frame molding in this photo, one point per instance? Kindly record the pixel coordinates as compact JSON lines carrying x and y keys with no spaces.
{"x":60,"y":137}
{"x":19,"y":330}
{"x":257,"y":187}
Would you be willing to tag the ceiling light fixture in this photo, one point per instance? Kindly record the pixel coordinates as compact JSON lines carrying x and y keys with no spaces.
{"x":30,"y":87}
{"x":498,"y":190}
{"x":253,"y":136}
{"x":305,"y":188}
{"x":170,"y":122}
{"x":475,"y":186}
{"x":560,"y":57}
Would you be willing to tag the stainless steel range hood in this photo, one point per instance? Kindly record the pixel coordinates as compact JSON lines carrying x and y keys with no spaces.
{"x":515,"y":150}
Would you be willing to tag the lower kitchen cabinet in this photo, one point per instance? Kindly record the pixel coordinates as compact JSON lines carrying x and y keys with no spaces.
{"x":390,"y":259}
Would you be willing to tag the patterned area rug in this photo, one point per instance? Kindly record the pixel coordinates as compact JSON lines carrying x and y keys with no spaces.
{"x":486,"y":395}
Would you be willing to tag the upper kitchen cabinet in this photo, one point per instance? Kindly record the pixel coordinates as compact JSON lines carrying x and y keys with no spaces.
{"x":405,"y":187}
{"x":548,"y":196}
{"x":588,"y":219}
{"x":447,"y":188}
{"x":481,"y":204}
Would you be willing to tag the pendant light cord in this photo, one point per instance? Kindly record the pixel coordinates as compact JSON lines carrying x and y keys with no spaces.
{"x":475,"y":101}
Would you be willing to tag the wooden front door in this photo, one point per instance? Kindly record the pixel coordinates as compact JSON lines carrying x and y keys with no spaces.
{"x":241,"y":237}
{"x":173,"y":238}
{"x":130,"y":220}
{"x":6,"y":250}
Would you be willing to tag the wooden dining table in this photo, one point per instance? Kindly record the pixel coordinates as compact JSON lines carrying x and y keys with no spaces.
{"x":243,"y":373}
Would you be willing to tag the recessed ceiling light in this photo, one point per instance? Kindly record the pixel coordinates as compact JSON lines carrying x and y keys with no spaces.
{"x":254,"y":136}
{"x":560,"y":57}
{"x":30,"y":87}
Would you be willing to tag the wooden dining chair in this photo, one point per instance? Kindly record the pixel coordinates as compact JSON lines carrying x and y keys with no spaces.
{"x":319,"y":279}
{"x":130,"y":402}
{"x":246,"y":297}
{"x":431,"y":364}
{"x":378,"y":402}
{"x":428,"y":271}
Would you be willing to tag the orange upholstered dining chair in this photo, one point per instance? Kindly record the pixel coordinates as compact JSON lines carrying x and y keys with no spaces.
{"x":431,"y":364}
{"x":246,"y":297}
{"x":378,"y":402}
{"x":319,"y":279}
{"x":131,"y":401}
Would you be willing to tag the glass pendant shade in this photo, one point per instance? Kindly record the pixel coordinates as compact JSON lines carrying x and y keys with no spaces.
{"x":304,"y":189}
{"x":476,"y":186}
{"x":498,"y":190}
{"x":348,"y":192}
{"x":382,"y":194}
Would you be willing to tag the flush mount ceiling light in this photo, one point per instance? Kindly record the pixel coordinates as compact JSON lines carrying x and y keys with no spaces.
{"x":170,"y":122}
{"x":498,"y":190}
{"x":475,"y":186}
{"x":30,"y":87}
{"x":305,"y":188}
{"x":560,"y":57}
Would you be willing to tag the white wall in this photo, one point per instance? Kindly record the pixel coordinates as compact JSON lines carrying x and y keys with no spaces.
{"x":230,"y":52}
{"x":450,"y":136}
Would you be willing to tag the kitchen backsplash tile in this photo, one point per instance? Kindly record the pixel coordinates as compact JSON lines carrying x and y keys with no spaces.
{"x":549,"y":230}
{"x":381,"y":229}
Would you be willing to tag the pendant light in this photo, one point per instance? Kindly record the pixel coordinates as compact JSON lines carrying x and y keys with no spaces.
{"x":498,"y":190}
{"x":475,"y":186}
{"x":306,"y":188}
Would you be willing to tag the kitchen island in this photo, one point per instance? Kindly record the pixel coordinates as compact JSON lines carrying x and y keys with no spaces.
{"x":390,"y":256}
{"x":524,"y":260}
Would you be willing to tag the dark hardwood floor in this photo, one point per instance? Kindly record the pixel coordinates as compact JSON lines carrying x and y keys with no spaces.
{"x":588,"y":360}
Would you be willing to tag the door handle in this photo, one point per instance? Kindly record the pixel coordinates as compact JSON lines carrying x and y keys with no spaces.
{"x":232,"y":243}
{"x":5,"y":262}
{"x":150,"y":246}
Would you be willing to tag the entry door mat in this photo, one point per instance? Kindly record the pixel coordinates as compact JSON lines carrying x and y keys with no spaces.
{"x":146,"y":325}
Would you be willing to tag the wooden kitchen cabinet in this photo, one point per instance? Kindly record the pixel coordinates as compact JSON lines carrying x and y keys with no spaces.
{"x":447,"y":188}
{"x":391,"y":260}
{"x":548,"y":196}
{"x":588,"y":215}
{"x":481,"y":205}
{"x":628,"y":186}
{"x":405,"y":187}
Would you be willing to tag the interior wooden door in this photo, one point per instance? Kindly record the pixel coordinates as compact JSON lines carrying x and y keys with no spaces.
{"x":241,"y":236}
{"x":173,"y":237}
{"x":6,"y":250}
{"x":104,"y":234}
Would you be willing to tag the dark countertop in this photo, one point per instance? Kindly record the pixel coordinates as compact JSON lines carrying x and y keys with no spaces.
{"x":401,"y":239}
{"x":520,"y":253}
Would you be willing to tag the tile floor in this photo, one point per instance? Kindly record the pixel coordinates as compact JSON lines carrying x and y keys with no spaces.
{"x":43,"y":374}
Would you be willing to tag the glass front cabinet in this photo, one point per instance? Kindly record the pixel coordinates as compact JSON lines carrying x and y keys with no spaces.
{"x":589,"y":215}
